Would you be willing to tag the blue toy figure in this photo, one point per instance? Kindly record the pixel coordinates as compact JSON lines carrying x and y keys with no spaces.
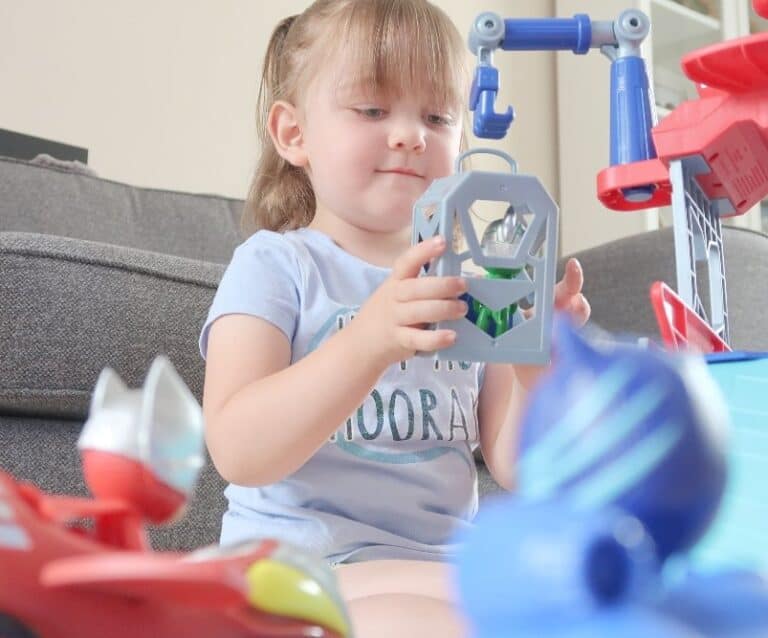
{"x":538,"y":568}
{"x":631,"y":427}
{"x":621,"y":466}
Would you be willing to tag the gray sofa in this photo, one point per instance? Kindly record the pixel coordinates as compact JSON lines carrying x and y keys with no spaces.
{"x":96,"y":273}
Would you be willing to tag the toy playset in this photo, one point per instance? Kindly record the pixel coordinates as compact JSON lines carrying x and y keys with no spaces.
{"x":707,"y":158}
{"x":640,"y":507}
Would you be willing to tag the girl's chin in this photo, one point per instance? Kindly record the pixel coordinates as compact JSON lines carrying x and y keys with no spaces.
{"x":389,"y":223}
{"x":396,"y":219}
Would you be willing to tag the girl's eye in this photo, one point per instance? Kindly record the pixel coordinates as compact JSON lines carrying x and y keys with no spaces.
{"x":439,"y":120}
{"x":372,"y":113}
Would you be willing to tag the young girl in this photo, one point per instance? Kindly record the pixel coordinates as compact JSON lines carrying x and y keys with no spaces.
{"x":332,"y":434}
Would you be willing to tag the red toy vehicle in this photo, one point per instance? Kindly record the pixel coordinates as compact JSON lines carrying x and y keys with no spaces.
{"x":83,"y":567}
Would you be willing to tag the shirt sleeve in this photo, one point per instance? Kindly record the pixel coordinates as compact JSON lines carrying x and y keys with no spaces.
{"x":261,"y":281}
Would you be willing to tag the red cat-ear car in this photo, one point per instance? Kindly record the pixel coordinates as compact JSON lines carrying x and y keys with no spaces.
{"x":83,"y":567}
{"x":67,"y":571}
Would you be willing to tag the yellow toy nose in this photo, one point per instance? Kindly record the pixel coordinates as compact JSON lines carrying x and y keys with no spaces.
{"x":280,"y":589}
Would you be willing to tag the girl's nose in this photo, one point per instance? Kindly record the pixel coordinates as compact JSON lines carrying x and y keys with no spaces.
{"x":407,"y":137}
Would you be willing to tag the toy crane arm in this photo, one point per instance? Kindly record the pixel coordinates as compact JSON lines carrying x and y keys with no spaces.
{"x":631,"y":111}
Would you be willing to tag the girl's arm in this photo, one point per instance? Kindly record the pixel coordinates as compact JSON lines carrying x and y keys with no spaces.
{"x":265,"y":417}
{"x":505,"y":388}
{"x":500,"y":408}
{"x":500,"y":411}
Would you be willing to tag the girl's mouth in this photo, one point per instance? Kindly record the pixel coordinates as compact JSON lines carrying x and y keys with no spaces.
{"x":408,"y":172}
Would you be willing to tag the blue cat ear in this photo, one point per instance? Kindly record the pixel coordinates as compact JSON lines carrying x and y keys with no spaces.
{"x":569,"y":344}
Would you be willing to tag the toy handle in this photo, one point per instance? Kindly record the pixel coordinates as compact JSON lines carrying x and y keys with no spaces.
{"x":490,"y":151}
{"x":631,"y":118}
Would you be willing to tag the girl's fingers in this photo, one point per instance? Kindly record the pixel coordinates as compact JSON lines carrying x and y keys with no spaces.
{"x":410,"y":262}
{"x":430,"y":311}
{"x":422,"y":340}
{"x":430,"y":288}
{"x":580,"y":309}
{"x":570,"y":285}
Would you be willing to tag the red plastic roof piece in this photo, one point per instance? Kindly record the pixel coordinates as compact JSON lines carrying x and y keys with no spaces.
{"x":681,"y":328}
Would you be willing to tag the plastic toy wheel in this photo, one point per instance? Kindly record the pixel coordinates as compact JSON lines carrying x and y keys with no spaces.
{"x":12,"y":628}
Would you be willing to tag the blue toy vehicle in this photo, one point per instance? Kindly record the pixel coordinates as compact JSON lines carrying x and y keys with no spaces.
{"x":622,"y":467}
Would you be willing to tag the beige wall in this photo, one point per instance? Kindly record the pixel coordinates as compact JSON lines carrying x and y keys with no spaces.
{"x":162,"y":93}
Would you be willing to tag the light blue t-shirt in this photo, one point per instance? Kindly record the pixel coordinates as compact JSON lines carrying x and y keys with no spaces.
{"x":397,"y":478}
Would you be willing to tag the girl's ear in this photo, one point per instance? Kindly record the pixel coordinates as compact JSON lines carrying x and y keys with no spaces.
{"x":285,"y":130}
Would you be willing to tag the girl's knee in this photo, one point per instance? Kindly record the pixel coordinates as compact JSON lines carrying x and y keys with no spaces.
{"x":405,"y":616}
{"x":379,"y":577}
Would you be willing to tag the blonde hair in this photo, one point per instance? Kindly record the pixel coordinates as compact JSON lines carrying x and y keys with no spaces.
{"x":401,"y":46}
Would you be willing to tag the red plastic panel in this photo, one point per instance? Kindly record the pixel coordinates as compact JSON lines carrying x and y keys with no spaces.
{"x":735,"y":66}
{"x":613,"y":181}
{"x":727,"y":126}
{"x":681,"y":328}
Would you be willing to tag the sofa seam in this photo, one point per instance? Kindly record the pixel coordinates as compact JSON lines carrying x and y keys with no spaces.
{"x":102,"y":263}
{"x":751,"y":231}
{"x":152,"y":189}
{"x":8,"y":390}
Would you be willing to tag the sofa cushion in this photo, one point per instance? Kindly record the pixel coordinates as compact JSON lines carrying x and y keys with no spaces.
{"x":55,"y":201}
{"x":618,"y":276}
{"x":70,"y":307}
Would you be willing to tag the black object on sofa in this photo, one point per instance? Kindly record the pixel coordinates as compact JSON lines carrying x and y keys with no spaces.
{"x":96,"y":273}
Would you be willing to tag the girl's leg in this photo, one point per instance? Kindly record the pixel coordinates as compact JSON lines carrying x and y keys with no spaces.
{"x":419,"y":578}
{"x":405,"y":616}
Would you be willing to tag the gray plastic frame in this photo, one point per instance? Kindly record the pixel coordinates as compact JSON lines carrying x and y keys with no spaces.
{"x":450,"y":198}
{"x":699,"y":238}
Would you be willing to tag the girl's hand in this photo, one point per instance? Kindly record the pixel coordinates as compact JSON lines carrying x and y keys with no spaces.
{"x":393,"y":321}
{"x":568,"y":295}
